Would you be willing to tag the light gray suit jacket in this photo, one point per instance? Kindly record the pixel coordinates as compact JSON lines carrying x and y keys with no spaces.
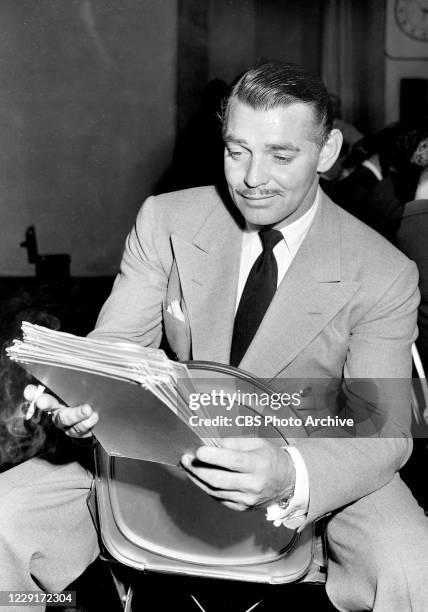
{"x":346,"y":307}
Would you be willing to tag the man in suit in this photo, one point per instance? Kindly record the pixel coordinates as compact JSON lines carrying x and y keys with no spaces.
{"x":411,"y":238}
{"x":277,"y":279}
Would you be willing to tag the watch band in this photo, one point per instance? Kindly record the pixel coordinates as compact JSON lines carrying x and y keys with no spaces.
{"x":276,"y":511}
{"x":284,"y":502}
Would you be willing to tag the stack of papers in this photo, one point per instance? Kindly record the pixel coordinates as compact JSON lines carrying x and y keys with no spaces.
{"x":147,"y":419}
{"x":149,"y":367}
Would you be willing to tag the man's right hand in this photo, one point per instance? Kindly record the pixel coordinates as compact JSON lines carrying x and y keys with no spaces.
{"x":76,"y":422}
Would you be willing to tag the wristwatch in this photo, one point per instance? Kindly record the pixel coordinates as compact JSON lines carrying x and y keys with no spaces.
{"x":277,"y":511}
{"x":284,"y":502}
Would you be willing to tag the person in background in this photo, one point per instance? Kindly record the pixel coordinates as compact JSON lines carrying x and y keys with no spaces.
{"x":21,"y":439}
{"x":351,"y":135}
{"x":383,"y":177}
{"x":412,"y":239}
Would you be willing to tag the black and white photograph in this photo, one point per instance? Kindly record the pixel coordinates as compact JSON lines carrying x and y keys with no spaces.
{"x":214,"y":305}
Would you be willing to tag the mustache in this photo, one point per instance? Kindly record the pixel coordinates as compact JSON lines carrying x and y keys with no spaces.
{"x":257,"y":193}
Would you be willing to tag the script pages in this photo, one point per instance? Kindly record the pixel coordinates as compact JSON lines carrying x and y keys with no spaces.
{"x":142,"y":397}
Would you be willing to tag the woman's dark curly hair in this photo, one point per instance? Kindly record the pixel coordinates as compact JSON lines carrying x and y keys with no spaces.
{"x":21,"y":439}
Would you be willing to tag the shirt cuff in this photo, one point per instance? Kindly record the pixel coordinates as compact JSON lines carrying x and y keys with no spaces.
{"x":294,"y":515}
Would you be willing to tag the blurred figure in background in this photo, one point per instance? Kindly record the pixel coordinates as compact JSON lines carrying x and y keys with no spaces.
{"x":351,"y":135}
{"x":383,"y":176}
{"x":21,"y":439}
{"x":412,"y":239}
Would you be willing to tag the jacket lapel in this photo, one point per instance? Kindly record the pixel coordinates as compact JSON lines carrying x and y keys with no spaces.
{"x":308,"y":297}
{"x":208,"y":268}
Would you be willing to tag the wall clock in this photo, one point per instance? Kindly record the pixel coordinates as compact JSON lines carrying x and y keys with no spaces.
{"x":412,"y":18}
{"x":406,"y":35}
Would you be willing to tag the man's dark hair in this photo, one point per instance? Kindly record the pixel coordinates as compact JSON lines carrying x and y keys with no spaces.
{"x":276,"y":84}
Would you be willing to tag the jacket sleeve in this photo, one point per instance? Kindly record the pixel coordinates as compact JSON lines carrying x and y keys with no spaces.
{"x":342,"y":470}
{"x":133,"y":311}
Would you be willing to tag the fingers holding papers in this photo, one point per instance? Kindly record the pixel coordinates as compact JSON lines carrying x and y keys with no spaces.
{"x":246,"y":478}
{"x":76,"y":421}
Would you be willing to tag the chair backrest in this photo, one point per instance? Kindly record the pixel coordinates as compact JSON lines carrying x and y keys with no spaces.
{"x":419,"y":392}
{"x":153,"y":518}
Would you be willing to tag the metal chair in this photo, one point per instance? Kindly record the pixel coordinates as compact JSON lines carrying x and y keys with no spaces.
{"x":153,"y":519}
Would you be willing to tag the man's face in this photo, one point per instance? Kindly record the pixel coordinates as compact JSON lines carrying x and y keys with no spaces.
{"x":271,"y":161}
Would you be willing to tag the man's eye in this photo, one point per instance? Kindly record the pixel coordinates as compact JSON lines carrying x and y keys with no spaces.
{"x":234,"y":154}
{"x":282,"y":159}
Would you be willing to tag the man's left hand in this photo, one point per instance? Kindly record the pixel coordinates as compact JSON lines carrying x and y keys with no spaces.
{"x":245,"y":473}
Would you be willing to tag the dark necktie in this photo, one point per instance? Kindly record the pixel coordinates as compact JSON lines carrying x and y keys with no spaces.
{"x":256,"y":296}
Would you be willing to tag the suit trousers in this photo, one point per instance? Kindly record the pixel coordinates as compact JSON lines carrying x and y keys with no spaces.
{"x":377,"y":546}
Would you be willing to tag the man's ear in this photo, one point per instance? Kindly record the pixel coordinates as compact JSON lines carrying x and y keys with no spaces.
{"x":330,"y":151}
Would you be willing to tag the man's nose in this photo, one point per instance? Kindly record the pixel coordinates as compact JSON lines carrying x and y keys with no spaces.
{"x":255,"y":174}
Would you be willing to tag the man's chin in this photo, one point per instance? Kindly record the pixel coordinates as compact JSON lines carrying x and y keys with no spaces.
{"x":258,"y":216}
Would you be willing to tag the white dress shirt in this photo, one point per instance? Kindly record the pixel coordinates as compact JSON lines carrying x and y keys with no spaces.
{"x":372,"y":167}
{"x":284,"y":252}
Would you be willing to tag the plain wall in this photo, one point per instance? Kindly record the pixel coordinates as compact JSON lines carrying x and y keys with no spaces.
{"x":405,"y":57}
{"x":87,"y":124}
{"x":395,"y":70}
